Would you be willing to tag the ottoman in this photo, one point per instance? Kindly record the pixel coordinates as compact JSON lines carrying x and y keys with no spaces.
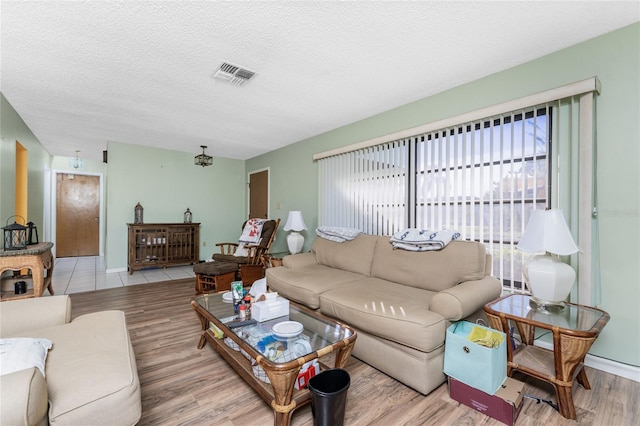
{"x":214,"y":276}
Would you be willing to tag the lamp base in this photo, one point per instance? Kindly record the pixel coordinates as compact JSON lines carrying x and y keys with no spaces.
{"x":295,"y":241}
{"x":550,"y":281}
{"x":546,"y":306}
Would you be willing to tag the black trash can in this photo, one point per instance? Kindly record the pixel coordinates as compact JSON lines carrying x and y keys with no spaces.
{"x":329,"y":397}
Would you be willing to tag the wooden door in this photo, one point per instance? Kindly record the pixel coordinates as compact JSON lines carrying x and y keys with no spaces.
{"x":77,"y":215}
{"x":259,"y":194}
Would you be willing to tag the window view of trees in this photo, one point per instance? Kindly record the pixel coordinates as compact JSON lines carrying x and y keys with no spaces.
{"x":483,"y":180}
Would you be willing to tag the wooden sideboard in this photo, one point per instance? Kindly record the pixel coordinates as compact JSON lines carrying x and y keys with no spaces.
{"x":162,"y":244}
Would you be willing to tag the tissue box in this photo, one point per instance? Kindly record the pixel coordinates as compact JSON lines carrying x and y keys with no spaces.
{"x":269,"y":309}
{"x":504,"y":405}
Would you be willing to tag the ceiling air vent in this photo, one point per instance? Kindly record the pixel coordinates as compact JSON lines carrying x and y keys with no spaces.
{"x":233,"y":74}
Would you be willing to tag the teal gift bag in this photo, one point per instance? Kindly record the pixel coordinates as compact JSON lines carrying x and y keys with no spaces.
{"x":476,"y":355}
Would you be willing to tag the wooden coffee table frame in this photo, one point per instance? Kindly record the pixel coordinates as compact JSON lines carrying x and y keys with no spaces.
{"x":560,"y":366}
{"x":280,"y":394}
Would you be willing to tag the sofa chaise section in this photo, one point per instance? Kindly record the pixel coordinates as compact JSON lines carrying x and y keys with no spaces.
{"x":90,"y":372}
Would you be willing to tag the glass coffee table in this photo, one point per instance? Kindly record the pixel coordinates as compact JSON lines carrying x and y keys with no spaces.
{"x":574,"y":329}
{"x":255,"y":349}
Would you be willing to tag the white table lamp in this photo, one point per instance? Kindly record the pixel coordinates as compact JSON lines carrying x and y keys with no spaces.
{"x":550,"y":280}
{"x":295,"y":223}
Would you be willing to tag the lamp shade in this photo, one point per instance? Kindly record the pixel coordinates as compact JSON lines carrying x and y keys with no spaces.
{"x":548,"y":232}
{"x":295,"y":222}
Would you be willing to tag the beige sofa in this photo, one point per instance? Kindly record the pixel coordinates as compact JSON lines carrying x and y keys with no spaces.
{"x":90,"y":371}
{"x":400,"y":302}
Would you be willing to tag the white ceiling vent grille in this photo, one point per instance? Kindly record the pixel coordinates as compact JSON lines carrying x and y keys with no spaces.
{"x":233,"y":74}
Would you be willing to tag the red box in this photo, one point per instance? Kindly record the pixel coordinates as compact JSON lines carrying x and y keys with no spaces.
{"x":303,"y":377}
{"x":504,"y":405}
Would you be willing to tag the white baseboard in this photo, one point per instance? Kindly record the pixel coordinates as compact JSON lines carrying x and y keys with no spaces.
{"x":114,"y":270}
{"x":608,"y":366}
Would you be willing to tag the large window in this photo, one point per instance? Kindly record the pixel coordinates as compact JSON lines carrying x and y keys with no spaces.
{"x":480,"y":173}
{"x":480,"y":178}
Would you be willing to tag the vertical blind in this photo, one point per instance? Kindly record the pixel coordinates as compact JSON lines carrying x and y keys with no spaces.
{"x":483,"y":179}
{"x":365,"y":189}
{"x":575,"y":190}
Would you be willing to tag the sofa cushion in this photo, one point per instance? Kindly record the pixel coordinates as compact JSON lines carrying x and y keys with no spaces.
{"x":304,"y":285}
{"x":91,"y":371}
{"x":353,"y":256}
{"x":431,"y":270}
{"x":392,"y":311}
{"x":35,"y":312}
{"x":229,"y":258}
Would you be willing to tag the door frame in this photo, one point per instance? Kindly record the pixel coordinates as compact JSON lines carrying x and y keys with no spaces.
{"x":54,"y":204}
{"x":268,"y":170}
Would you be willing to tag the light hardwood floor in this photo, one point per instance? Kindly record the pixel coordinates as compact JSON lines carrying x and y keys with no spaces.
{"x":182,"y":385}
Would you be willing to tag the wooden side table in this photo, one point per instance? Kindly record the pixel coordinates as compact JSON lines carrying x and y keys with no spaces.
{"x":271,"y":260}
{"x":574,"y":330}
{"x":38,"y":259}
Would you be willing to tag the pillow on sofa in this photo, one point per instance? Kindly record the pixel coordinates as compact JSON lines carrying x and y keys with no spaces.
{"x":353,"y":256}
{"x":21,"y":353}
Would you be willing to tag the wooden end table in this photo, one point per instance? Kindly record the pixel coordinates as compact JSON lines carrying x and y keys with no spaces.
{"x":272,"y":260}
{"x":38,"y":259}
{"x":574,"y":328}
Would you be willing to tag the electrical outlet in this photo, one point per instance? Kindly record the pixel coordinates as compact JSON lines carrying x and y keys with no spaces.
{"x":204,"y":244}
{"x":278,"y":206}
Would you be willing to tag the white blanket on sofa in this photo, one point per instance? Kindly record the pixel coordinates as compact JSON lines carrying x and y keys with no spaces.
{"x":414,"y":239}
{"x":337,"y":234}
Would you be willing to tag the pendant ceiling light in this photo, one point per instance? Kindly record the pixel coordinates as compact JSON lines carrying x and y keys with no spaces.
{"x":203,"y":159}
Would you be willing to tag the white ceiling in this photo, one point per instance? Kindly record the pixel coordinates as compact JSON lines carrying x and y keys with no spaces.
{"x":86,"y":72}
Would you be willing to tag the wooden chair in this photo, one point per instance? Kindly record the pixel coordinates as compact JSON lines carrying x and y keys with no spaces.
{"x":226,"y":266}
{"x":254,"y":251}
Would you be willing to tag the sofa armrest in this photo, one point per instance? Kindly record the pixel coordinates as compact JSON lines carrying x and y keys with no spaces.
{"x":17,"y":316}
{"x":24,"y":397}
{"x":458,"y":302}
{"x":299,"y":260}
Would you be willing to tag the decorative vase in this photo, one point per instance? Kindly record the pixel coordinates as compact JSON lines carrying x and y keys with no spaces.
{"x":138,"y":211}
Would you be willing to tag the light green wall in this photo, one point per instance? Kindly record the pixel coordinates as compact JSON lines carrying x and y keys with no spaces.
{"x":615,"y":59}
{"x":166,"y":183}
{"x":13,"y":129}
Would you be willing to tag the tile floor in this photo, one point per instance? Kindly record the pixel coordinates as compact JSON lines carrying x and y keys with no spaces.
{"x":78,"y":274}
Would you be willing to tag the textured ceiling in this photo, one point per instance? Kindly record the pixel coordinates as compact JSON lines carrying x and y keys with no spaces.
{"x":83,"y":73}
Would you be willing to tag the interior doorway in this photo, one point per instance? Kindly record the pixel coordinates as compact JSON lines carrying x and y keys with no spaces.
{"x":77,"y":215}
{"x":22,"y":184}
{"x":259,"y":194}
